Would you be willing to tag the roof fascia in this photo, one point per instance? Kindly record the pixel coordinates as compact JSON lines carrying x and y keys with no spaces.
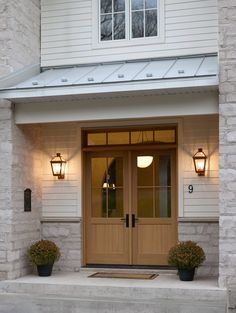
{"x":109,"y":88}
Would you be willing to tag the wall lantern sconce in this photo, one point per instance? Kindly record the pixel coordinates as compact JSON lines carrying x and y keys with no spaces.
{"x":58,"y":165}
{"x":199,"y":160}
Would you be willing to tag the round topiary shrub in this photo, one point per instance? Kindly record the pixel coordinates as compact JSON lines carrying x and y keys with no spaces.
{"x":186,"y":255}
{"x":44,"y":252}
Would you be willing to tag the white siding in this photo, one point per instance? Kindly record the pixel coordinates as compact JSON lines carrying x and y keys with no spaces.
{"x":68,"y":33}
{"x":62,"y":198}
{"x":200,"y":132}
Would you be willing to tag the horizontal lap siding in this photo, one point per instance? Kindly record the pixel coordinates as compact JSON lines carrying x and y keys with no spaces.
{"x":61,"y":198}
{"x":200,"y":132}
{"x":67,"y":33}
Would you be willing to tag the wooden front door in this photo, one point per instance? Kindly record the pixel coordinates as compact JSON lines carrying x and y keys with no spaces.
{"x":130,"y":207}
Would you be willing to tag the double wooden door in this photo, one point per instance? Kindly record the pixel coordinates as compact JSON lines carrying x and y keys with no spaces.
{"x":130,"y":207}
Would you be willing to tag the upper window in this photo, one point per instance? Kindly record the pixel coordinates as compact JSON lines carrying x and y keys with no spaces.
{"x":112,"y":19}
{"x":128,"y":19}
{"x":144,"y":18}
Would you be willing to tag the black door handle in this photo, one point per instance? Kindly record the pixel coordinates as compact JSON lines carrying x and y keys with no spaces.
{"x":134,"y":219}
{"x":126,"y":219}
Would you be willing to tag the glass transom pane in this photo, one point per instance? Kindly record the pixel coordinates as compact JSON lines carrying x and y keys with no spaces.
{"x":165,"y":136}
{"x":118,"y":138}
{"x":96,"y":139}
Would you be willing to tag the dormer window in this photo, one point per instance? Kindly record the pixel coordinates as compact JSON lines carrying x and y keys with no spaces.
{"x":128,"y":19}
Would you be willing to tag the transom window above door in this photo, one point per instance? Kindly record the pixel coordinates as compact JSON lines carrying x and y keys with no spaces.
{"x":128,"y":19}
{"x":157,"y":136}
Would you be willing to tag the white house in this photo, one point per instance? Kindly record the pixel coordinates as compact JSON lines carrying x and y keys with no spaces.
{"x":119,"y":83}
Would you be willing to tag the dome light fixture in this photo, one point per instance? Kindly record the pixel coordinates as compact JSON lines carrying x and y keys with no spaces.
{"x":144,"y":161}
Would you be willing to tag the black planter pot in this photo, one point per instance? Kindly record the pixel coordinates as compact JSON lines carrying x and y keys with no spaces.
{"x":45,"y":270}
{"x":186,"y":275}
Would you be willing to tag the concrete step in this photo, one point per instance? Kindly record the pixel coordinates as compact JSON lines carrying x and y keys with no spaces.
{"x":75,"y":293}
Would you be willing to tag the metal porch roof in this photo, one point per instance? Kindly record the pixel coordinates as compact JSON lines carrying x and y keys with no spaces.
{"x":161,"y":74}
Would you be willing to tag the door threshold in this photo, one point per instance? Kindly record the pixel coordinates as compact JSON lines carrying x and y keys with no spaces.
{"x":164,"y":268}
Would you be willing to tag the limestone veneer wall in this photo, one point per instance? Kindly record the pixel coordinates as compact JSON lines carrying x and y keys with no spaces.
{"x":20,"y":168}
{"x":227,"y":145}
{"x":67,"y":235}
{"x":19,"y":34}
{"x":206,"y":234}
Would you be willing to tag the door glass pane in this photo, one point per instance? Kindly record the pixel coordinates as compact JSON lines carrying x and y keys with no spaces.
{"x":145,"y":202}
{"x":154,"y":188}
{"x":150,"y":23}
{"x":163,"y":187}
{"x":107,"y":187}
{"x":99,"y":167}
{"x":163,"y":202}
{"x":115,"y":172}
{"x":145,"y":175}
{"x":162,"y":171}
{"x":115,"y":202}
{"x":119,"y":26}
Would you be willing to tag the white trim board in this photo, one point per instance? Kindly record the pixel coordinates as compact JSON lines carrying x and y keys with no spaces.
{"x":139,"y":107}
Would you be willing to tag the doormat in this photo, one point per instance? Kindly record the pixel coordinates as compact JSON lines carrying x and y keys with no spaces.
{"x":124,"y":275}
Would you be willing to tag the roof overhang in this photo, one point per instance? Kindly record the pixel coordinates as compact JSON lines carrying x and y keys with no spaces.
{"x":160,"y":76}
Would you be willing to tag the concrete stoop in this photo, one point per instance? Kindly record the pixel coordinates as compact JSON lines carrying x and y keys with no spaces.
{"x":45,"y":295}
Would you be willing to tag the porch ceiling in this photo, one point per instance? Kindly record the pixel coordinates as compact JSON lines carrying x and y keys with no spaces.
{"x":160,"y":76}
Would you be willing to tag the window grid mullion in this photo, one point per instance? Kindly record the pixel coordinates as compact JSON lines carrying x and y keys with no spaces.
{"x":144,"y":19}
{"x":112,"y":19}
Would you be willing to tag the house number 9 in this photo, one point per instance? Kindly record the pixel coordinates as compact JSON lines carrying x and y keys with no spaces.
{"x":190,"y":188}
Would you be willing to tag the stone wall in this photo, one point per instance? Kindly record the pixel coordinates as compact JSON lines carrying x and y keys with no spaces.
{"x":20,"y":168}
{"x":227,"y":145}
{"x":19,"y":34}
{"x":206,"y":234}
{"x":67,"y":235}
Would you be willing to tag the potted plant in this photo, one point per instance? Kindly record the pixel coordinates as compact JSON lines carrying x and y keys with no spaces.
{"x":186,"y":256}
{"x":43,"y":254}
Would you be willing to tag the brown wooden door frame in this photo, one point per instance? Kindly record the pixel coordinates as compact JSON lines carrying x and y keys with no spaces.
{"x":128,"y":199}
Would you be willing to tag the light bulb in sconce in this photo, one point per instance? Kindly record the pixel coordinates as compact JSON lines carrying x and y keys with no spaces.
{"x":199,"y":160}
{"x":58,"y":165}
